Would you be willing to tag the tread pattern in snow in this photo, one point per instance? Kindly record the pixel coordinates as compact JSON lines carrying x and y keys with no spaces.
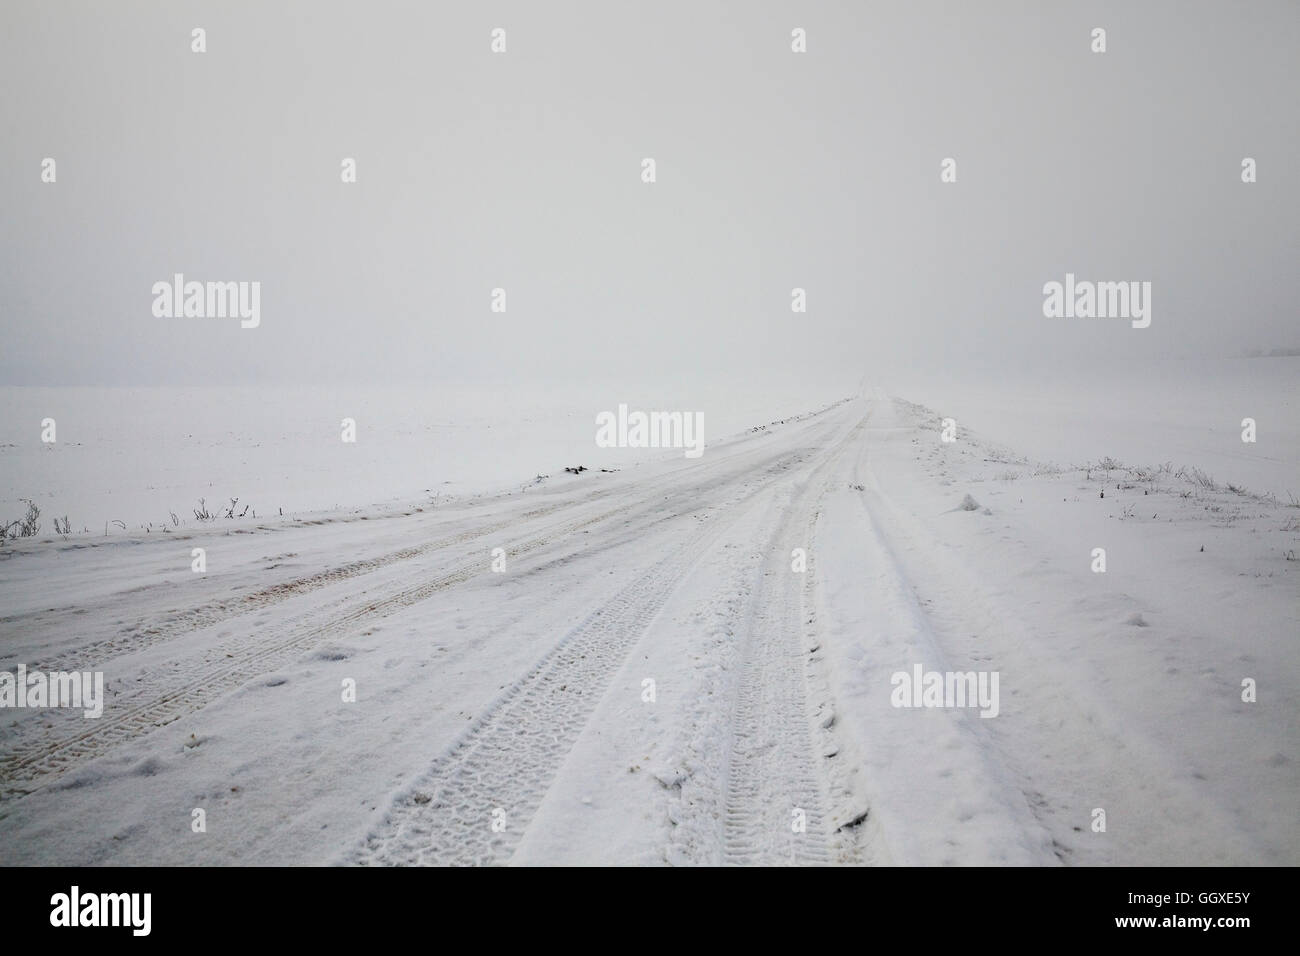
{"x":773,"y":774}
{"x":510,"y":758}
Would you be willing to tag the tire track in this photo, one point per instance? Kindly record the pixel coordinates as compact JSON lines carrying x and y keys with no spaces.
{"x":193,"y":684}
{"x":142,"y":634}
{"x":196,"y":684}
{"x":776,"y":795}
{"x":223,"y":610}
{"x":510,"y":758}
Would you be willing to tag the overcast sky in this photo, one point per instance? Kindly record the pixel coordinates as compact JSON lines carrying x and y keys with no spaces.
{"x":522,"y":170}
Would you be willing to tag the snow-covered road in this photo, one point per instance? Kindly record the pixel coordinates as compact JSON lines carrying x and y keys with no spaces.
{"x":689,"y":662}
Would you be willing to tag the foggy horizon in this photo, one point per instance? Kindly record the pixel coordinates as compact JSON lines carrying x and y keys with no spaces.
{"x":521,"y":171}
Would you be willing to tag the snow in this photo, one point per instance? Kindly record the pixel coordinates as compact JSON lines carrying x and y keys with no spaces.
{"x":525,"y":691}
{"x":135,"y":455}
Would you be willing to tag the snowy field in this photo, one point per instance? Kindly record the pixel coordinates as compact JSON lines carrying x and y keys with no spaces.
{"x":674,"y":661}
{"x":1184,"y":411}
{"x":136,"y":456}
